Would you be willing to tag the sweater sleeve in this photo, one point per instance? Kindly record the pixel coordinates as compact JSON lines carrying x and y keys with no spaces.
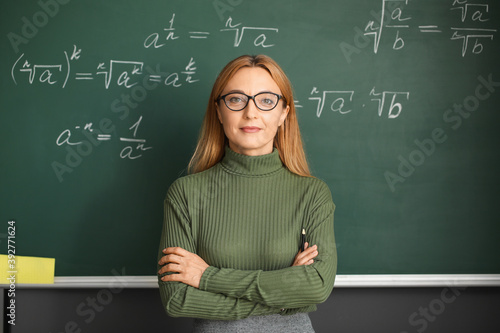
{"x":292,"y":287}
{"x":181,"y":300}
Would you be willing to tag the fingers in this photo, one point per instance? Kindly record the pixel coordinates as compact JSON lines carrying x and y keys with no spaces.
{"x":308,"y":251}
{"x":187,"y":267}
{"x":307,"y":256}
{"x":173,"y":254}
{"x":170,"y":258}
{"x":172,"y":277}
{"x":175,"y":250}
{"x":172,"y":268}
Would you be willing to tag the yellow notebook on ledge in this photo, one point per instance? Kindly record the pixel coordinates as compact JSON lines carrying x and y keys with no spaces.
{"x":26,"y":270}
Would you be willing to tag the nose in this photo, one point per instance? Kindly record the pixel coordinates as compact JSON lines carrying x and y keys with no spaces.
{"x":251,"y":110}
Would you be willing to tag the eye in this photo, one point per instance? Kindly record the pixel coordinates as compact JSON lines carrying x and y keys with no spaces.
{"x":234,"y":99}
{"x":267,"y":101}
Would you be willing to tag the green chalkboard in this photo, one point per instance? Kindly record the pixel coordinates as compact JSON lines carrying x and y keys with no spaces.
{"x":101,"y":102}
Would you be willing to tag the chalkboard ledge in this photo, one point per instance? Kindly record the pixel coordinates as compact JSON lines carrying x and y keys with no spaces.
{"x":341,"y":281}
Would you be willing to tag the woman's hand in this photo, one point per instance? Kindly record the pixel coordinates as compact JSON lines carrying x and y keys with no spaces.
{"x":306,"y":257}
{"x":188,"y":266}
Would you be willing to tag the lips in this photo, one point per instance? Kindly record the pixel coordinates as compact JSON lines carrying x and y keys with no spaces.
{"x":250,"y":129}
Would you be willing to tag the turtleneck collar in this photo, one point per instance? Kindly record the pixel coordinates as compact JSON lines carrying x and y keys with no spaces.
{"x":251,"y":165}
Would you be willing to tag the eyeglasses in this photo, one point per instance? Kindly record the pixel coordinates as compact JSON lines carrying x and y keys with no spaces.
{"x":265,"y":101}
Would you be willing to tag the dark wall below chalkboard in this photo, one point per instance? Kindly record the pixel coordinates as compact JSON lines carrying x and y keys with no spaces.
{"x":346,"y":310}
{"x":102,"y":102}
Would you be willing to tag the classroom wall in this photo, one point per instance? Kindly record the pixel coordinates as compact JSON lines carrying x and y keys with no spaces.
{"x":399,"y":117}
{"x":374,"y":310}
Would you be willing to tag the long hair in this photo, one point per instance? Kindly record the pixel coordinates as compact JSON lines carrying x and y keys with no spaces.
{"x":210,"y":148}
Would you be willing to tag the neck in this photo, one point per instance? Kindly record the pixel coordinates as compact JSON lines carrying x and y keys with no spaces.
{"x":251,"y":165}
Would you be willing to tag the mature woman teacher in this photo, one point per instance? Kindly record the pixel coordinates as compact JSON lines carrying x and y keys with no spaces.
{"x":229,"y":250}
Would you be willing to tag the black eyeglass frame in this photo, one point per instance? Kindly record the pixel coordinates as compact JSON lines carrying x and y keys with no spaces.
{"x":223,"y":97}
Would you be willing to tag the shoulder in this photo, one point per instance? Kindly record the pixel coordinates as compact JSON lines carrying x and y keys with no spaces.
{"x":314,"y":188}
{"x":323,"y":193}
{"x":313,"y":184}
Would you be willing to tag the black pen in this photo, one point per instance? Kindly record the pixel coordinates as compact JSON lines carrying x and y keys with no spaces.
{"x":303,"y":240}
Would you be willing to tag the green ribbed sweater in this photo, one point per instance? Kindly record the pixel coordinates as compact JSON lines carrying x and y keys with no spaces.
{"x":244,"y":217}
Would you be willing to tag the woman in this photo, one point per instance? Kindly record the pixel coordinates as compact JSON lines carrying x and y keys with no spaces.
{"x":233,"y":226}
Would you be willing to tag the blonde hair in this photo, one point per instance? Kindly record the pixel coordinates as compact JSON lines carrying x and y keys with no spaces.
{"x":210,"y":148}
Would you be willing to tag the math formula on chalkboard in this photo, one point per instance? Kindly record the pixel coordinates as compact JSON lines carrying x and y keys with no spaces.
{"x":391,"y":25}
{"x":393,"y":19}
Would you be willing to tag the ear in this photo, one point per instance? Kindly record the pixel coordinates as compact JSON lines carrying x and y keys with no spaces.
{"x":284,"y":115}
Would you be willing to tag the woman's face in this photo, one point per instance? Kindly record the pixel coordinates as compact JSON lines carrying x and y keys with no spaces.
{"x":251,"y":131}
